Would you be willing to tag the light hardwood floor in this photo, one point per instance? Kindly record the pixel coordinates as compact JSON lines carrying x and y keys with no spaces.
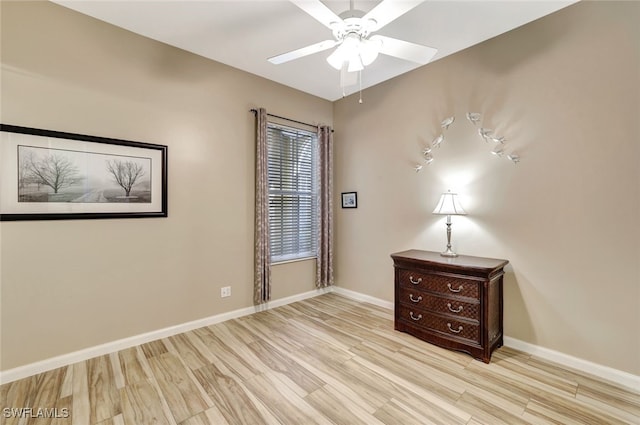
{"x":326,"y":360}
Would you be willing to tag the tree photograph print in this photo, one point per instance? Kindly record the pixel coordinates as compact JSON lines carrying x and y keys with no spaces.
{"x":53,"y":175}
{"x":56,"y":175}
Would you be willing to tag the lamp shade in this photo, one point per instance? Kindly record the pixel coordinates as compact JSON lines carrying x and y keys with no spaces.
{"x":449,"y":204}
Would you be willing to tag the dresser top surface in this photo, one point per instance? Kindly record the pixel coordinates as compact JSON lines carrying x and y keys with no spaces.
{"x":461,"y":261}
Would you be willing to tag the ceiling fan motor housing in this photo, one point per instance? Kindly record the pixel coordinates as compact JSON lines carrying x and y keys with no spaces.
{"x":352,"y":24}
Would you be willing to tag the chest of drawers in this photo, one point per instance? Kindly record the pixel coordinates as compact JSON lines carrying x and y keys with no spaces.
{"x":455,"y":303}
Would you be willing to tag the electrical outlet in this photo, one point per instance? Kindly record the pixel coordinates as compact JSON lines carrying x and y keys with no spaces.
{"x":225,"y":291}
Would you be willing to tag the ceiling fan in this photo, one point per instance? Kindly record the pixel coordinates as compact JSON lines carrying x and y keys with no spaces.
{"x":352,"y":32}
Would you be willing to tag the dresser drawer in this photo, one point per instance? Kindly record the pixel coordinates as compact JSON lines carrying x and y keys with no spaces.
{"x":444,"y":326}
{"x":439,"y":283}
{"x":412,"y":297}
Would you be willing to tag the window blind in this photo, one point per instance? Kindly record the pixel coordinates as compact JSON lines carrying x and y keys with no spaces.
{"x":292,"y":170}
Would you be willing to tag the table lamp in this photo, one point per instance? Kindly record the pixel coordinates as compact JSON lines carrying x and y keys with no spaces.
{"x":449,"y":205}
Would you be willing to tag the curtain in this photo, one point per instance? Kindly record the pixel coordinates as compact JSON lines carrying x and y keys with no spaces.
{"x":262,"y":266}
{"x":324,"y":268}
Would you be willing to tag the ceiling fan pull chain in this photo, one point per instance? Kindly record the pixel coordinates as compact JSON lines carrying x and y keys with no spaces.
{"x":360,"y":80}
{"x":342,"y":83}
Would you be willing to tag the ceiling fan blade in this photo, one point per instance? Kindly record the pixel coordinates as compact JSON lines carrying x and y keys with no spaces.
{"x":404,"y":50}
{"x":305,"y":51}
{"x":389,"y":10}
{"x":318,"y":11}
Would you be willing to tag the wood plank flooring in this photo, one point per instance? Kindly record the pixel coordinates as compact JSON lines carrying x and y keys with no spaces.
{"x":326,"y":360}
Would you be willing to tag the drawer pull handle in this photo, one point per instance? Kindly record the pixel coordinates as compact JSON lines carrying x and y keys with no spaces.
{"x":415,"y":300}
{"x":415,"y":282}
{"x":454,"y":290}
{"x":458,"y":310}
{"x":453,"y":330}
{"x":415,"y":318}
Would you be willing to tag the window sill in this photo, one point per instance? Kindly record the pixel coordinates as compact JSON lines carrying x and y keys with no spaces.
{"x":293,"y":260}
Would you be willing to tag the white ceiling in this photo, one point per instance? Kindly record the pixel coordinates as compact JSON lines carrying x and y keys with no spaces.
{"x":244,"y":33}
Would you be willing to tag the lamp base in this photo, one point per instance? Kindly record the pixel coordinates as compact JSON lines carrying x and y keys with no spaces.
{"x":448,"y":253}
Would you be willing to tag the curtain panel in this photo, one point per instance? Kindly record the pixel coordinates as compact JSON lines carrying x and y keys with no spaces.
{"x":262,"y":265}
{"x":324,"y":267}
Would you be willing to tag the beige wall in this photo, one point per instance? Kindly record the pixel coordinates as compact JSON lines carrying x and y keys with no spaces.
{"x":565,"y":92}
{"x":69,"y":285}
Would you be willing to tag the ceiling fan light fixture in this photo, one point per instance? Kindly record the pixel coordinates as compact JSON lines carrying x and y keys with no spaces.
{"x":355,"y":64}
{"x":341,"y":54}
{"x":368,"y":51}
{"x":348,"y":51}
{"x":336,"y":59}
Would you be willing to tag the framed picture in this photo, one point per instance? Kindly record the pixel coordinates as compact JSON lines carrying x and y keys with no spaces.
{"x":349,"y":199}
{"x":50,"y":175}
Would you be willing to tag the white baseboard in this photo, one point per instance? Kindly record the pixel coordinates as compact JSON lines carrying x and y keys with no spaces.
{"x":614,"y":375}
{"x":363,"y":297}
{"x":10,"y":375}
{"x":288,"y":300}
{"x":20,"y":372}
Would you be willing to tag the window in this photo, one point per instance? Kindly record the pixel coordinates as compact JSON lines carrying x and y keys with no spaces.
{"x":292,"y":165}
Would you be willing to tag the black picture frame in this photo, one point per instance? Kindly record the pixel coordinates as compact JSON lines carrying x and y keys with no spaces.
{"x":53,"y":175}
{"x":349,"y":199}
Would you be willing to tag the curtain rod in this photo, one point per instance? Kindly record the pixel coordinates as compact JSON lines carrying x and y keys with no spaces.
{"x":255,"y":111}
